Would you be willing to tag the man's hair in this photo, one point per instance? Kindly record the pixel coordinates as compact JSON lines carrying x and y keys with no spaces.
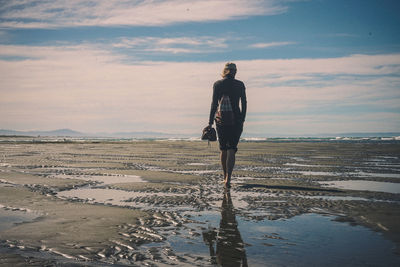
{"x":229,"y":70}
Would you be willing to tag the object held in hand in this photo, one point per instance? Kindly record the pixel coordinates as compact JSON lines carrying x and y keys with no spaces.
{"x":209,"y":134}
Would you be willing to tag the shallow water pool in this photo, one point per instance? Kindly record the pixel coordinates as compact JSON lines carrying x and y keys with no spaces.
{"x":364,"y":185}
{"x":305,"y":240}
{"x":9,"y":218}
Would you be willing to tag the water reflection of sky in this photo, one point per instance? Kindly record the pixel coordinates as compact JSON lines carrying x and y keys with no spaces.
{"x":364,"y":185}
{"x":308,"y":239}
{"x":9,"y":218}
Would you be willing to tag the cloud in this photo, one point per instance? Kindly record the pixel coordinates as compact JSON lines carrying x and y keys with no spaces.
{"x":59,"y":13}
{"x":272,"y":44}
{"x":89,"y":88}
{"x":174,"y":45}
{"x":319,"y":123}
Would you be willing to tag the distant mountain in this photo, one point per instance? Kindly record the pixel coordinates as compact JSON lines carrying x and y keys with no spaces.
{"x":9,"y":132}
{"x":59,"y":132}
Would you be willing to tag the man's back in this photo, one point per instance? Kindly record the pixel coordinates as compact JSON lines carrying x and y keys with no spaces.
{"x":235,"y":89}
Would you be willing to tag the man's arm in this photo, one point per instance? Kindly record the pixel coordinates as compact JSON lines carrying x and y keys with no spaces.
{"x":214,"y":105}
{"x":244,"y":103}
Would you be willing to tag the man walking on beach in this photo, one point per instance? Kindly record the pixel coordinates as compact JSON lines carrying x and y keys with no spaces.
{"x":228,"y":116}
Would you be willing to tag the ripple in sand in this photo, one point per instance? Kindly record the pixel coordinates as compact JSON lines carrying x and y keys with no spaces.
{"x":306,"y":165}
{"x":197,"y":172}
{"x":105,"y":179}
{"x":111,"y":196}
{"x":317,"y":173}
{"x":334,"y":198}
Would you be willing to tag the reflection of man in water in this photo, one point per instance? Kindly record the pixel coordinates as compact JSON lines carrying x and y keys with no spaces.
{"x":230,"y":247}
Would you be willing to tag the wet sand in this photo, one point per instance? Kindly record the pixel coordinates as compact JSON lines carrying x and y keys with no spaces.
{"x":160,"y":203}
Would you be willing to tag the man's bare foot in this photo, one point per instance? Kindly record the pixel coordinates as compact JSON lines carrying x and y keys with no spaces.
{"x":225,"y":179}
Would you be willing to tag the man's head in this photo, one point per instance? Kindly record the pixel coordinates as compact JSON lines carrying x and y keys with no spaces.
{"x":229,"y":70}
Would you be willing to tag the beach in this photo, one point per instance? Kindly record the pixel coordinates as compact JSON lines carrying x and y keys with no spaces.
{"x":162,"y":203}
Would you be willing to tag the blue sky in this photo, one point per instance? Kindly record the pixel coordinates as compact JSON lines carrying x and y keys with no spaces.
{"x":310,"y":67}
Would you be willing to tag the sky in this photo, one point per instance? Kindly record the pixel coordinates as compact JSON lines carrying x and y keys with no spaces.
{"x":310,"y":67}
